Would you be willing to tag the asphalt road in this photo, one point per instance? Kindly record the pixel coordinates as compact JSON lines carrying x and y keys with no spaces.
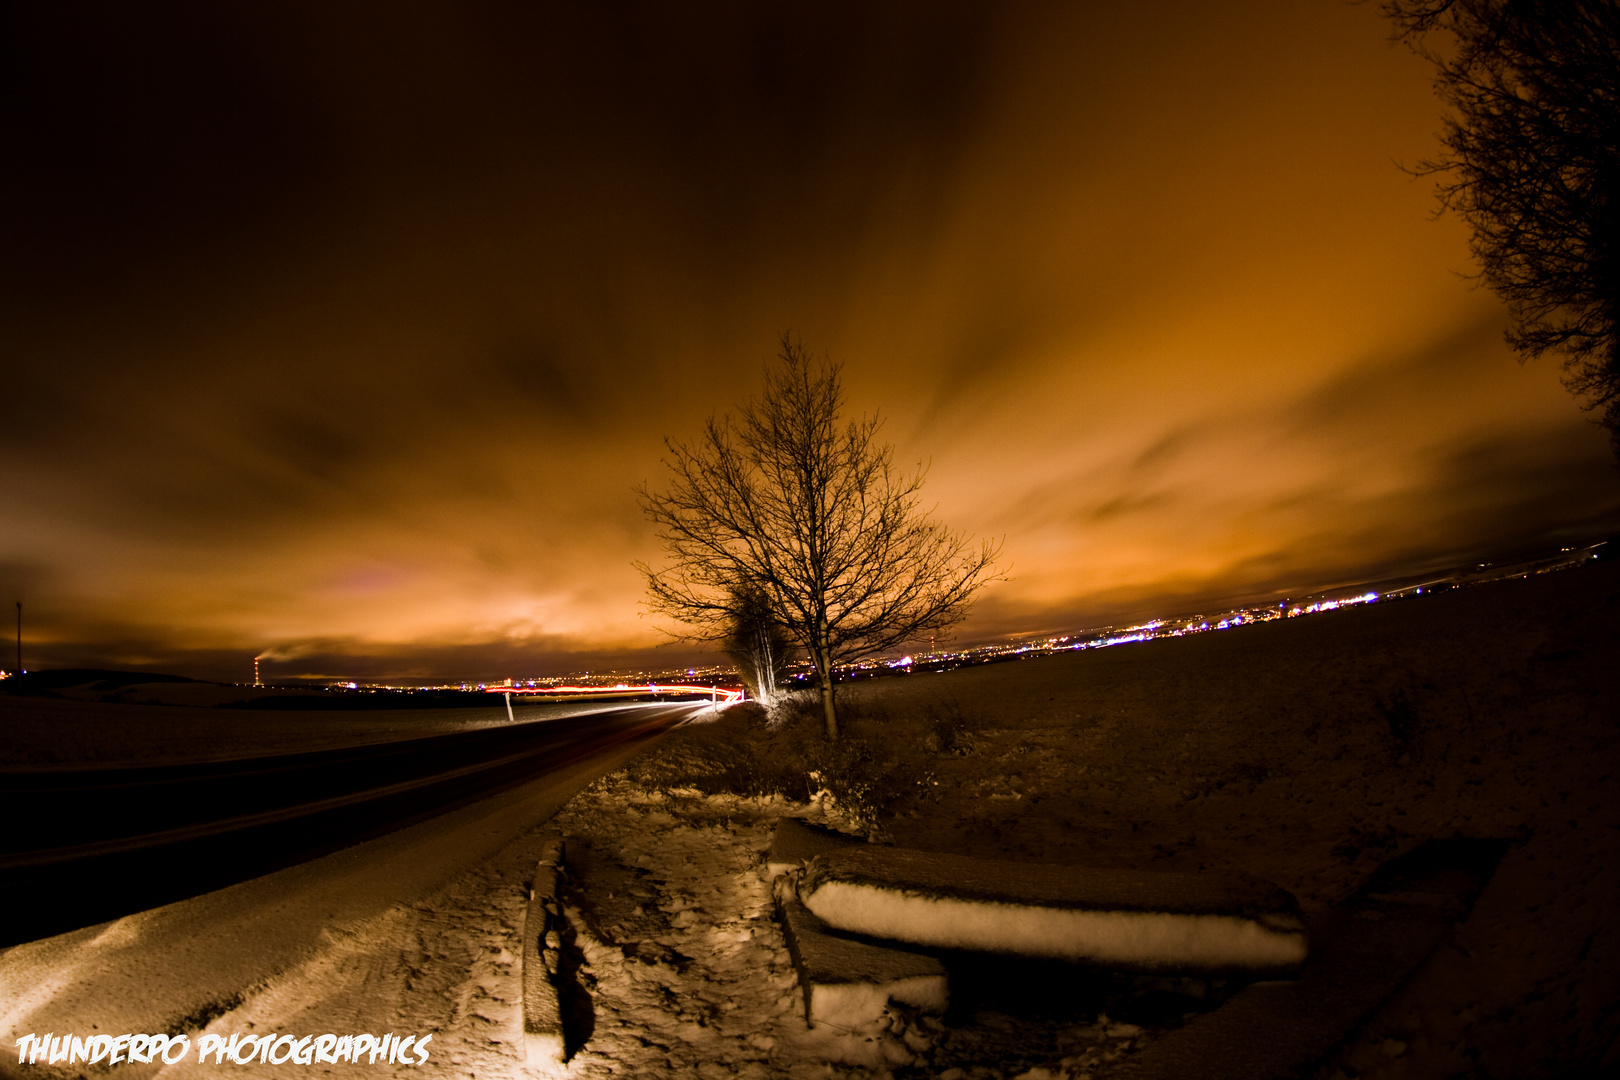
{"x":85,"y":846}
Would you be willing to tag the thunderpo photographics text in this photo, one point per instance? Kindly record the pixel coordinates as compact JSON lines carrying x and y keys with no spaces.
{"x":271,"y":1049}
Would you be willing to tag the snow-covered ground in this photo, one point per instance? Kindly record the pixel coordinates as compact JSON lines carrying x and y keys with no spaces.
{"x":1307,"y":753}
{"x":687,"y":973}
{"x":1304,"y":753}
{"x":681,"y":970}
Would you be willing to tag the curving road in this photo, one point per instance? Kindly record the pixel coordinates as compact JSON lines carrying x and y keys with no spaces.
{"x":87,"y":845}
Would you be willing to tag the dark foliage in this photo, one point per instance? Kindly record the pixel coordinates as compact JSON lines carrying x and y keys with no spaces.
{"x":882,"y":759}
{"x":759,"y":646}
{"x":1532,"y":164}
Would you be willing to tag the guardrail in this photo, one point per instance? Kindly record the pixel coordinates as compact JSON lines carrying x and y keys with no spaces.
{"x":718,"y":694}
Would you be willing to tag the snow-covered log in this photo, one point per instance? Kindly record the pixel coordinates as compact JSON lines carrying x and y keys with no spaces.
{"x":543,"y":1041}
{"x":1127,"y":920}
{"x":848,"y":984}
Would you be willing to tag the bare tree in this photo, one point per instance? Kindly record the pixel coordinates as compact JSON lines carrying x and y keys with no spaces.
{"x":1532,"y":164}
{"x":758,"y":645}
{"x":787,"y":503}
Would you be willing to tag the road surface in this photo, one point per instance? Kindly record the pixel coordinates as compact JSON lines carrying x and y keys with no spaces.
{"x":319,"y":928}
{"x":85,"y":845}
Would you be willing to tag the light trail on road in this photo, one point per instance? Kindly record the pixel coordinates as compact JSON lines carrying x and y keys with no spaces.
{"x":716,"y":694}
{"x":96,"y":844}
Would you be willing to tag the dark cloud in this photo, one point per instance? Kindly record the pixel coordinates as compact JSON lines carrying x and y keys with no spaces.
{"x":1447,"y":370}
{"x":346,"y":330}
{"x":1169,"y":447}
{"x":1530,"y":492}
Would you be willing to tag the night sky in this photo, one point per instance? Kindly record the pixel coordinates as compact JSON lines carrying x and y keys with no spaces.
{"x":341,"y":333}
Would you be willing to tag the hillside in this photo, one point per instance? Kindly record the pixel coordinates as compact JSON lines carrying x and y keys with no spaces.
{"x":1306,"y":752}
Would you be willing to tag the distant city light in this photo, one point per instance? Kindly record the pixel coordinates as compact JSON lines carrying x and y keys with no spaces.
{"x":801,"y":673}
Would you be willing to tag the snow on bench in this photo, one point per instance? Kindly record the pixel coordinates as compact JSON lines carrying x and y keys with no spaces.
{"x":1148,"y":921}
{"x":848,"y":984}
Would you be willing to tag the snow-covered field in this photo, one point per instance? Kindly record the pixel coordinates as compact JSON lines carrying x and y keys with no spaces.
{"x":1303,"y":753}
{"x":1307,"y":753}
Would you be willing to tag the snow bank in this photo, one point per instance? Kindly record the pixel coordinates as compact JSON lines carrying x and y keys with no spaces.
{"x":850,"y":984}
{"x":1128,"y":920}
{"x":543,"y":1039}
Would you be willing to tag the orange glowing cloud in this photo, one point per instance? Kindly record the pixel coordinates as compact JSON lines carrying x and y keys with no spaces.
{"x":347,"y":346}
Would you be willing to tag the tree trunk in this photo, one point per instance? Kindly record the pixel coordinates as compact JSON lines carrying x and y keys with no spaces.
{"x":828,"y":706}
{"x":830,"y":710}
{"x":766,"y":668}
